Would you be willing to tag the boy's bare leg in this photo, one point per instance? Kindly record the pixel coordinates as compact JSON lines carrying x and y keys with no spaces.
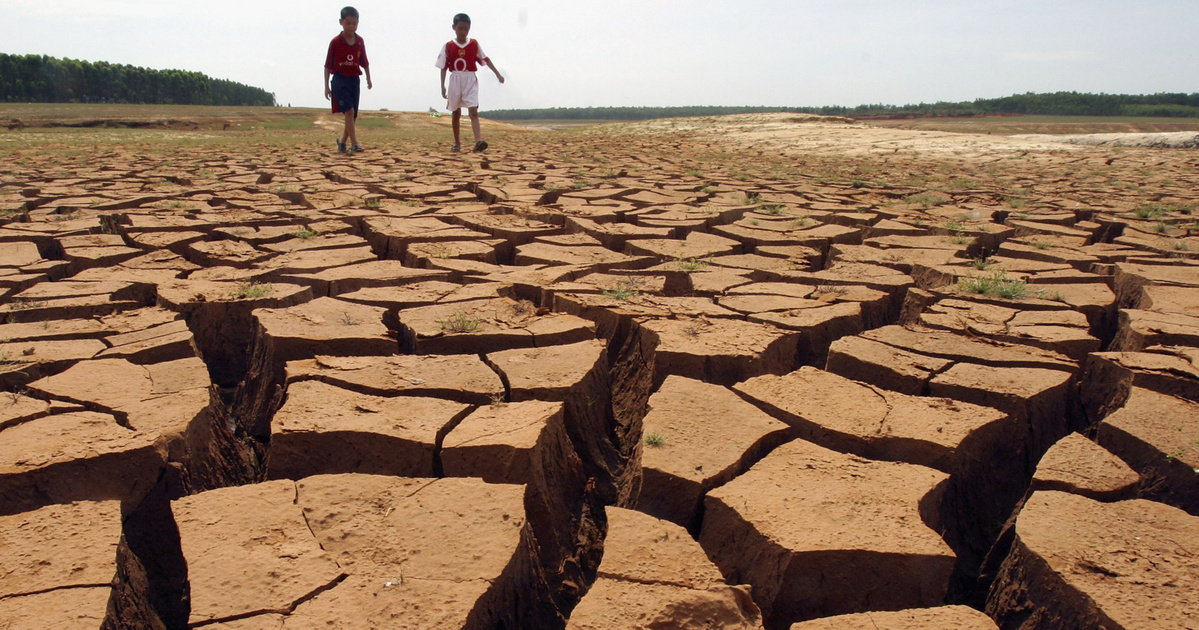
{"x":474,"y":123}
{"x":349,"y":132}
{"x":352,"y":126}
{"x":456,"y":123}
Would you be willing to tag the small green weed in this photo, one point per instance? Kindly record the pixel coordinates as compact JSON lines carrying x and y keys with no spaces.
{"x":691,"y":264}
{"x":305,"y":233}
{"x":655,"y":440}
{"x":995,"y":284}
{"x":620,"y":293}
{"x":252,"y":291}
{"x":459,"y":323}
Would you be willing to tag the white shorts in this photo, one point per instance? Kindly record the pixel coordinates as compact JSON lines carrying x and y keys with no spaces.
{"x":463,"y":91}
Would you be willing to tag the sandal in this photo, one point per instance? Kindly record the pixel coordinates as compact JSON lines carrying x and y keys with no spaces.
{"x":341,"y":146}
{"x":480,"y":146}
{"x":455,"y":149}
{"x":357,"y":148}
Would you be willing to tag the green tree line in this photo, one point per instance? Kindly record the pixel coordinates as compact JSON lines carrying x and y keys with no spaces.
{"x":1054,"y":104}
{"x":42,"y":79}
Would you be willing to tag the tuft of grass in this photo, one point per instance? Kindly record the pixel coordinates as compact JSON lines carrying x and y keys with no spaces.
{"x":691,"y":264}
{"x":252,"y":291}
{"x":655,"y":440}
{"x":305,"y":233}
{"x":459,"y":323}
{"x":1054,"y":296}
{"x":980,"y":263}
{"x":995,"y":284}
{"x":621,"y":293}
{"x":1041,"y":244}
{"x":771,"y":209}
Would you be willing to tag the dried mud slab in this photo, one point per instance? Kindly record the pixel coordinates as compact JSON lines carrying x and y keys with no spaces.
{"x":1079,"y":466}
{"x":324,"y":326}
{"x":483,"y":326}
{"x":721,"y":351}
{"x":463,"y":378}
{"x":1078,"y":563}
{"x":1139,"y":330}
{"x":250,"y":551}
{"x":1158,"y":436}
{"x":526,"y":443}
{"x":819,"y":533}
{"x":1064,"y":332}
{"x":698,"y":436}
{"x":654,"y":575}
{"x":57,"y":565}
{"x":974,"y":444}
{"x":1108,"y":377}
{"x":323,"y":429}
{"x":579,"y":376}
{"x":423,"y":553}
{"x":160,"y":419}
{"x":219,"y":314}
{"x":943,"y":618}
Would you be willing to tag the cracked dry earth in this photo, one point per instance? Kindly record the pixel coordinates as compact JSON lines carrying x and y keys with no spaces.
{"x":637,"y":376}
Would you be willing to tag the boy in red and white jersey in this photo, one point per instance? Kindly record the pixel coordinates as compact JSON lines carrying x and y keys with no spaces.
{"x":460,"y":57}
{"x":347,"y":52}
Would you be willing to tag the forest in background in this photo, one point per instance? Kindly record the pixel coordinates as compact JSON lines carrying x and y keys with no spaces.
{"x":42,"y":79}
{"x":1053,"y":104}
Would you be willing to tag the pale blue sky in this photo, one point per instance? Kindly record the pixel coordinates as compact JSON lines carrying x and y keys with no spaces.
{"x":647,"y":52}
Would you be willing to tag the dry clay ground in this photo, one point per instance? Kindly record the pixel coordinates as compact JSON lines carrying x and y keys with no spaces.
{"x":745,"y":372}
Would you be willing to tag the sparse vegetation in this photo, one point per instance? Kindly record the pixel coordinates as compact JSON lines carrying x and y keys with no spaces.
{"x":459,"y":323}
{"x":691,"y":264}
{"x":995,"y":284}
{"x":621,"y":293}
{"x":655,"y":440}
{"x":252,"y":291}
{"x":305,"y":233}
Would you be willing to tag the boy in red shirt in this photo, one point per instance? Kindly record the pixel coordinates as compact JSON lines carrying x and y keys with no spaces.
{"x":346,"y":53}
{"x":460,"y":57}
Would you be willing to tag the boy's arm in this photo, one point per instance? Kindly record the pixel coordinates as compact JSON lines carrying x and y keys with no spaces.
{"x":443,"y":93}
{"x":367,"y":70}
{"x":492,"y":66}
{"x":328,"y":90}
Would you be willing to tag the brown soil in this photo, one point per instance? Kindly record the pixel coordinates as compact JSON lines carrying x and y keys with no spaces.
{"x":750,"y":371}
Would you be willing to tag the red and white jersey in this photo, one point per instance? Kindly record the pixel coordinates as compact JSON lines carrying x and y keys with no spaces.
{"x":345,"y":59}
{"x":457,"y":57}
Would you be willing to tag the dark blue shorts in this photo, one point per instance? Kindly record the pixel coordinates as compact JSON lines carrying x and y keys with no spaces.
{"x":345,"y":93}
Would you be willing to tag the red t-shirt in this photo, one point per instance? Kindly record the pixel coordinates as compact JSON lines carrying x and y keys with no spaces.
{"x":462,"y":58}
{"x":344,"y":59}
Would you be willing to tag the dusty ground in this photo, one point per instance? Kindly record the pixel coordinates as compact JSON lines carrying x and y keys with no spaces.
{"x":750,"y":371}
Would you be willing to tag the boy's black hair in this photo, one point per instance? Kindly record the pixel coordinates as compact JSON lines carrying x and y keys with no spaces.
{"x":461,"y":17}
{"x":349,"y":12}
